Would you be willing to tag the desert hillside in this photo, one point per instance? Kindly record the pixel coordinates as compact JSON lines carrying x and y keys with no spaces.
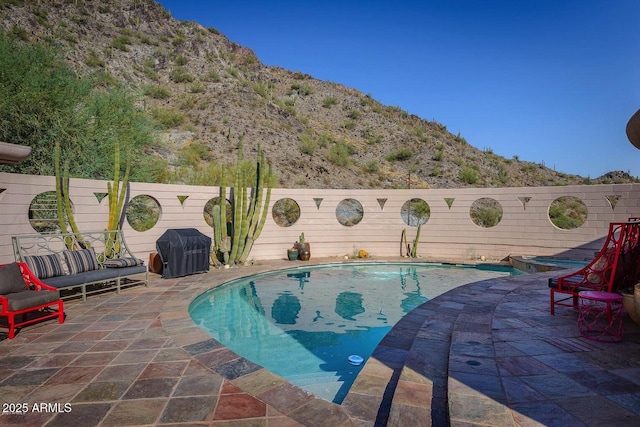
{"x":206,"y":91}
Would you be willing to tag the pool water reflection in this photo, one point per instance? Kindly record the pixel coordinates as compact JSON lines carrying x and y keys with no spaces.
{"x":303,"y":324}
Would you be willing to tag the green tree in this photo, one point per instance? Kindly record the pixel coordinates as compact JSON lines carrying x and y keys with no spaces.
{"x":44,"y":103}
{"x":39,"y":97}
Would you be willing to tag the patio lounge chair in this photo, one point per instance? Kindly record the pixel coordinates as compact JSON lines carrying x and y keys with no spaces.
{"x":21,"y":293}
{"x":615,"y":267}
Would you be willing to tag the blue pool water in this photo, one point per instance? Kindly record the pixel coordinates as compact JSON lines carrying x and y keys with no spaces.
{"x":304,"y":323}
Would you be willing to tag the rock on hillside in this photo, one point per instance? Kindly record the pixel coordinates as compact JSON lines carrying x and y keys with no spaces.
{"x":208,"y":91}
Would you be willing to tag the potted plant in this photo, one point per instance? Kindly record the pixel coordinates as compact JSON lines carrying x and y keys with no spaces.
{"x":292,"y":253}
{"x":304,"y":248}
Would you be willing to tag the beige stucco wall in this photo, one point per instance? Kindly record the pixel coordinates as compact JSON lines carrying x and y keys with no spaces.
{"x":448,"y":235}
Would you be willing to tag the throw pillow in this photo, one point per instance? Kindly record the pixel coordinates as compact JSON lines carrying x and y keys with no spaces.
{"x":44,"y":266}
{"x":81,"y":260}
{"x":122,"y":262}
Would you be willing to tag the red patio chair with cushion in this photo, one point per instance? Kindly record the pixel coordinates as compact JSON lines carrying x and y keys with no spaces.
{"x":616,"y":267}
{"x":21,"y":293}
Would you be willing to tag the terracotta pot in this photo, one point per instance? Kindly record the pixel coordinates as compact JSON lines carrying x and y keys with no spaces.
{"x":304,"y":251}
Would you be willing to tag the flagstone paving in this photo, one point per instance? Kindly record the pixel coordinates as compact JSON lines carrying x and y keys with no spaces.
{"x":488,"y":353}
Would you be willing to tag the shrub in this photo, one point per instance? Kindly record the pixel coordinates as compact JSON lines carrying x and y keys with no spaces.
{"x":307,"y":144}
{"x":264,"y":89}
{"x":186,"y":102}
{"x":353,"y":114}
{"x":178,"y":40}
{"x":399,"y":155}
{"x":157,"y":92}
{"x":329,"y":101}
{"x":180,"y":75}
{"x":211,"y":76}
{"x":349,"y":125}
{"x":469,"y":176}
{"x":302,"y":90}
{"x":181,"y":60}
{"x":93,"y":60}
{"x":419,"y":133}
{"x":121,"y":43}
{"x":325,"y":140}
{"x":168,"y":118}
{"x":339,"y":154}
{"x":438,"y":156}
{"x":371,"y":167}
{"x":197,"y":87}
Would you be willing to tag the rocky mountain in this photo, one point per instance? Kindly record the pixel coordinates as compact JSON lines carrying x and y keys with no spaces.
{"x":207,"y":91}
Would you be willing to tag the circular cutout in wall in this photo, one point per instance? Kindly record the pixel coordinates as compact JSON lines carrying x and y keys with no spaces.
{"x":415,"y":212}
{"x":486,"y":212}
{"x":143,"y":212}
{"x":568,"y":212}
{"x":43,"y":213}
{"x":285,"y":212}
{"x":349,"y":212}
{"x":207,"y":212}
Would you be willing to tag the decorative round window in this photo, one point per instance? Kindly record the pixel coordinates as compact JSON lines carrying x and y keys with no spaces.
{"x":349,"y":212}
{"x":285,"y":212}
{"x":207,"y":212}
{"x":43,"y":213}
{"x":486,"y":212}
{"x":415,"y":212}
{"x":568,"y":212}
{"x":143,"y":212}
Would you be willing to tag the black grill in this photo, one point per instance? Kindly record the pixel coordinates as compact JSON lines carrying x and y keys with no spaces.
{"x":183,"y":251}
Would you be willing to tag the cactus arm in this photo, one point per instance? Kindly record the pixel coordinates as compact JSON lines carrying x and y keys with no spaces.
{"x":238,"y":206}
{"x":67,"y":201}
{"x":59,"y":195}
{"x":414,"y":249}
{"x":259,"y":223}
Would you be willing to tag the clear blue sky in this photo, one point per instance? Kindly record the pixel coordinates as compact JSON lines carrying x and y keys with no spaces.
{"x":551,"y":81}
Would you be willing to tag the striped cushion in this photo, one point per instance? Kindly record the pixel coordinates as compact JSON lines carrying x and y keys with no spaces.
{"x":44,"y":266}
{"x":81,"y":260}
{"x":122,"y":262}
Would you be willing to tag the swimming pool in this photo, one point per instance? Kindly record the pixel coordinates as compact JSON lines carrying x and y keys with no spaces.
{"x":304,"y":323}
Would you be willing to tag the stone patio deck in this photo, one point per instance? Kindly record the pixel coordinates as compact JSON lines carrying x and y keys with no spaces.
{"x":485,"y":354}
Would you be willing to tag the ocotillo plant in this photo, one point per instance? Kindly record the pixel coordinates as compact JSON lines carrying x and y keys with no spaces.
{"x":249,"y":211}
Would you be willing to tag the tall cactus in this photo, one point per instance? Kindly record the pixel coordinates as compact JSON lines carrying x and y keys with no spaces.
{"x":63,"y":202}
{"x":414,"y":248}
{"x":221,"y":239}
{"x":249,"y":214}
{"x":116,"y":193}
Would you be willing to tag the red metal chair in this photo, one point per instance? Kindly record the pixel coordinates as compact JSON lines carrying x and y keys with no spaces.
{"x":31,"y":298}
{"x":615,"y":267}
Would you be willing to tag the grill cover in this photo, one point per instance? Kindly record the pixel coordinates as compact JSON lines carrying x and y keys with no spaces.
{"x":183,"y":251}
